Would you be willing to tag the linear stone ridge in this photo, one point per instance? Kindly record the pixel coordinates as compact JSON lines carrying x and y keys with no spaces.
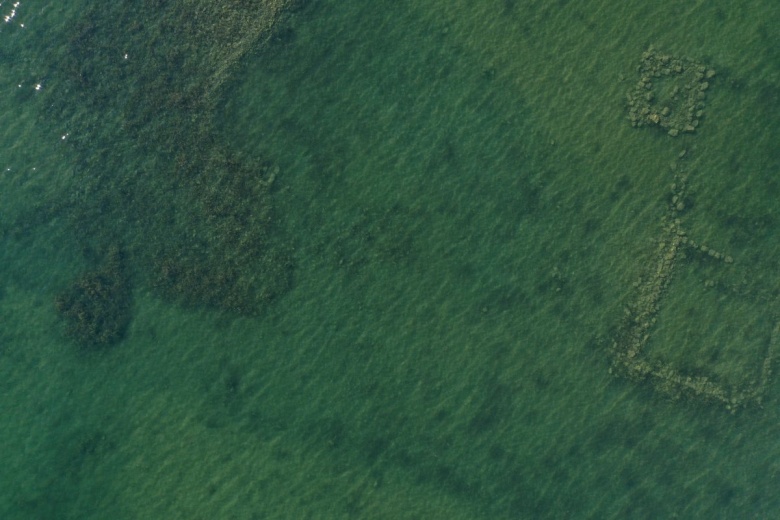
{"x":629,"y":345}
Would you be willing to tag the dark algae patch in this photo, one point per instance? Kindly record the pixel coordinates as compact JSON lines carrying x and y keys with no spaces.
{"x":97,"y":307}
{"x":196,"y":218}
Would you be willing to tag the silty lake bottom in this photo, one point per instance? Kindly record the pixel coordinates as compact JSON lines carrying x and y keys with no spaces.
{"x":389,"y":260}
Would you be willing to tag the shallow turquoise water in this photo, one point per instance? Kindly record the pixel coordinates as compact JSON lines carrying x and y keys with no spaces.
{"x":466,"y":208}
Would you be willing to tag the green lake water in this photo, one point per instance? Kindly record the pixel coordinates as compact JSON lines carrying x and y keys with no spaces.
{"x":377,"y":257}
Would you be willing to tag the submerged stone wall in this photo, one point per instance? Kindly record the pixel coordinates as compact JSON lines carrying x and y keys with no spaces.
{"x":677,"y":108}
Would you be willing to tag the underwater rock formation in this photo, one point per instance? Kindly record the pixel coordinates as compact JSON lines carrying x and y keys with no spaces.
{"x":669,"y":94}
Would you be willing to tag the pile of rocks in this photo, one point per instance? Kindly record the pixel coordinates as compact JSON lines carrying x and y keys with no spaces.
{"x":669,"y":94}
